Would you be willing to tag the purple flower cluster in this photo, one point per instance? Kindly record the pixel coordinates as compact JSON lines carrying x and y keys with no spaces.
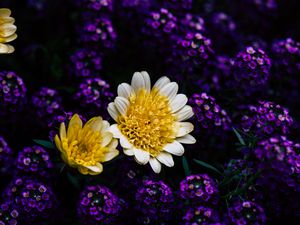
{"x":160,"y":24}
{"x":99,"y":6}
{"x":154,"y":200}
{"x":287,"y":56}
{"x":33,"y":199}
{"x":34,"y":161}
{"x":9,"y":214}
{"x":246,"y":213}
{"x":279,"y":160}
{"x":86,"y":63}
{"x":6,"y":156}
{"x":98,"y":32}
{"x":94,"y":93}
{"x":209,"y":116}
{"x":199,"y":189}
{"x":178,"y":6}
{"x":98,"y":205}
{"x":46,"y":102}
{"x":193,"y":49}
{"x":201,"y":215}
{"x":191,"y":23}
{"x":251,"y":68}
{"x":12,"y":92}
{"x":266,"y":118}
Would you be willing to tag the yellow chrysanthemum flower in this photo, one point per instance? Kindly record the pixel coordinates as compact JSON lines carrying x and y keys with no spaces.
{"x":7,"y":31}
{"x":86,"y":147}
{"x":149,"y":121}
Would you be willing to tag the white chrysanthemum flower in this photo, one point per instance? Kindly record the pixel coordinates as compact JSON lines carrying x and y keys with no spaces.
{"x":149,"y":121}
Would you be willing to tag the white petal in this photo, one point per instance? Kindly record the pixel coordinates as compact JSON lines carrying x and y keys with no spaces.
{"x":161,"y":82}
{"x":155,"y":165}
{"x":147,"y":81}
{"x":110,"y":155}
{"x":122,"y":104}
{"x":174,"y":148}
{"x":170,"y":90}
{"x":125,"y":90}
{"x":124,"y":142}
{"x":96,"y":169}
{"x":6,"y":49}
{"x":105,"y":126}
{"x":184,"y":128}
{"x":112,"y":110}
{"x":141,"y":156}
{"x":166,"y":158}
{"x":106,"y":138}
{"x":4,"y":12}
{"x":115,"y":131}
{"x":128,"y":152}
{"x":187,"y":139}
{"x":185,"y":113}
{"x":137,"y":82}
{"x":178,"y":102}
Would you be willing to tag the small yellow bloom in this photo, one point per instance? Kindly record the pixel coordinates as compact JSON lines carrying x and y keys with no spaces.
{"x":86,"y":147}
{"x":7,"y":31}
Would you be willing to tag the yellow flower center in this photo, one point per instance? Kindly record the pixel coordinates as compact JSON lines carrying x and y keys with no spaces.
{"x":148,"y":124}
{"x":84,"y":147}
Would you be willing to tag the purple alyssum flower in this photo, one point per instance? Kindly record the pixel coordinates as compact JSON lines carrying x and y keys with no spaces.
{"x":86,"y":62}
{"x":34,"y":161}
{"x":201,"y":215}
{"x":9,"y":214}
{"x":97,"y":204}
{"x":199,"y":189}
{"x":266,"y":118}
{"x":12,"y":92}
{"x":154,"y":201}
{"x":191,"y":23}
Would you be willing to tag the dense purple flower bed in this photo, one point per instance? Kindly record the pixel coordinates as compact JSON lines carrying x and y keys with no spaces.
{"x":75,"y":140}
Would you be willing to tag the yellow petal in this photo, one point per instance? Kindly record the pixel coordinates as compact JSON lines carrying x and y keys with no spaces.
{"x":96,"y":169}
{"x":75,"y":120}
{"x":62,"y":131}
{"x":110,"y":155}
{"x":58,"y":142}
{"x":7,"y":30}
{"x":6,"y":20}
{"x":8,"y":39}
{"x":6,"y":49}
{"x":95,"y":124}
{"x":4,"y":12}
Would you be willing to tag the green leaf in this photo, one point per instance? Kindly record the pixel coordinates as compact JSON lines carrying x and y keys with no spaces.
{"x":44,"y":143}
{"x":204,"y":164}
{"x":73,"y":180}
{"x":239,"y":136}
{"x":186,"y":167}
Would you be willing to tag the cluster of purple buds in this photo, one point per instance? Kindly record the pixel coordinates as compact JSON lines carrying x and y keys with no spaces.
{"x":46,"y":102}
{"x":98,"y":32}
{"x":266,"y":118}
{"x":86,"y":63}
{"x":12,"y":92}
{"x":35,"y":161}
{"x":279,"y":157}
{"x":208,"y":115}
{"x":199,"y":189}
{"x":191,"y":23}
{"x":55,"y":122}
{"x":33,"y":199}
{"x":94,"y":92}
{"x":246,"y":212}
{"x":251,"y":68}
{"x":98,"y":205}
{"x":6,"y":156}
{"x":154,"y":200}
{"x":9,"y":214}
{"x":193,"y":49}
{"x":287,"y":56}
{"x":263,"y":5}
{"x":201,"y":215}
{"x":159,"y":24}
{"x":223,"y":23}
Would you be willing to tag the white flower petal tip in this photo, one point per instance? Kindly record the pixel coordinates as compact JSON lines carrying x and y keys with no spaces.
{"x":174,"y":148}
{"x":178,"y":102}
{"x":125,"y":90}
{"x":170,"y":90}
{"x":115,"y":131}
{"x":147,"y":81}
{"x":166,"y":159}
{"x":186,"y":139}
{"x":155,"y":165}
{"x":96,"y":169}
{"x":185,"y":113}
{"x":124,"y":142}
{"x":184,"y":128}
{"x":128,"y":152}
{"x":121,"y":104}
{"x":161,"y":82}
{"x":141,"y":81}
{"x":112,"y":110}
{"x":141,"y":156}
